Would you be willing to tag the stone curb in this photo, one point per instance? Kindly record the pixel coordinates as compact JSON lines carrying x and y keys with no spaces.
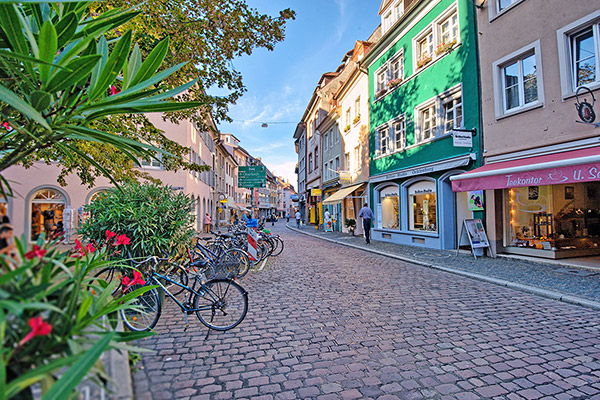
{"x":550,"y":294}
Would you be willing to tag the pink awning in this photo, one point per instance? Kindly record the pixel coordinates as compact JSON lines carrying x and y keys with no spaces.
{"x":574,"y":166}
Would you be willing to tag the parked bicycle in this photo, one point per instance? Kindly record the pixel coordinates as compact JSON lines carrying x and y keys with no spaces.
{"x":220,"y":304}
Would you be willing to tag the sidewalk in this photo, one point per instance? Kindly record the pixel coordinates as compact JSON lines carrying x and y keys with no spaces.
{"x":557,"y":281}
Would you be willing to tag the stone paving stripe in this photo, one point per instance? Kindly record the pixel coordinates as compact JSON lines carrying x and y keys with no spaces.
{"x":550,"y":294}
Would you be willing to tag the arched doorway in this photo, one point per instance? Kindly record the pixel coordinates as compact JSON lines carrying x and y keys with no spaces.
{"x":47,"y":206}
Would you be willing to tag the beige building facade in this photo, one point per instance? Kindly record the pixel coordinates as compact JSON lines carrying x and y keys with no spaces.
{"x":41,"y":205}
{"x":539,"y":59}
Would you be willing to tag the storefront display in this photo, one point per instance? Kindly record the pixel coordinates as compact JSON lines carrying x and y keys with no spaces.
{"x":422,"y":206}
{"x":47,"y":208}
{"x":554,"y":217}
{"x":390,"y":207}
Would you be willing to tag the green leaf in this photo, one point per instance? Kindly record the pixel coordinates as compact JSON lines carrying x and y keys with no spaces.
{"x":48,"y":45}
{"x":85,"y":306}
{"x":74,"y":375}
{"x":75,"y":71}
{"x":133,"y":66}
{"x":40,"y":100}
{"x":12,"y":28}
{"x":36,"y":375}
{"x":102,"y":49}
{"x":65,"y":28}
{"x":12,"y":99}
{"x":152,"y":62}
{"x":113,"y":66}
{"x":21,"y":57}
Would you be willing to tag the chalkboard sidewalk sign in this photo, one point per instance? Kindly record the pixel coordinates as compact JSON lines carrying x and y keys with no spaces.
{"x":473,"y":234}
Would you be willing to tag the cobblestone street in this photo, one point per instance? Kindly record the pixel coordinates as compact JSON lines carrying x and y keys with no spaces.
{"x":328,"y":322}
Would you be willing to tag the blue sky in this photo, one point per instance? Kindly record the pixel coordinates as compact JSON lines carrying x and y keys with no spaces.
{"x":280,"y":83}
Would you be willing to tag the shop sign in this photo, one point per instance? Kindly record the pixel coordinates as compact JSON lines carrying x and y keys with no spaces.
{"x":424,"y":187}
{"x":432,"y":167}
{"x":462,"y":139}
{"x":554,"y":176}
{"x":389,"y":191}
{"x":315,"y":192}
{"x":475,"y":200}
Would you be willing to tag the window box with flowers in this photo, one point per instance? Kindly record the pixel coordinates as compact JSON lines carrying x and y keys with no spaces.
{"x":445,"y":47}
{"x":380,"y":93}
{"x":423,"y":61}
{"x":356,"y":119}
{"x":394,"y":82}
{"x":347,"y":128}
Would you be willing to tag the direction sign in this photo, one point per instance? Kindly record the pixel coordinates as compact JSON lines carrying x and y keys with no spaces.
{"x":254,"y":176}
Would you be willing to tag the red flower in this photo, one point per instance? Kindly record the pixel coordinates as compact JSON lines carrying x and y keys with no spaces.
{"x":113,"y":90}
{"x":122,"y":239}
{"x":110,"y":235}
{"x":36,"y":252}
{"x":38,"y":328}
{"x":90,"y":248}
{"x":83,"y":250}
{"x":6,"y":126}
{"x":137,"y":279}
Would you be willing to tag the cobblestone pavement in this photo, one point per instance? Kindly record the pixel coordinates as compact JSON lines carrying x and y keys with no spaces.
{"x":584,"y":283}
{"x":332,"y":322}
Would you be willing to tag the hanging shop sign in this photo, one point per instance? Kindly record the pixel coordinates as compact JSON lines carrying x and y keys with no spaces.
{"x":585,"y":110}
{"x":475,"y":200}
{"x":462,"y":139}
{"x":315,"y":192}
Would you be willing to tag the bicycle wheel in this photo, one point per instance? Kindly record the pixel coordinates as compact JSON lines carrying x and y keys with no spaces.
{"x":242,"y":260}
{"x":176,"y":273}
{"x":221,"y":304}
{"x":279,"y":248}
{"x":144,"y":310}
{"x":109,"y":275}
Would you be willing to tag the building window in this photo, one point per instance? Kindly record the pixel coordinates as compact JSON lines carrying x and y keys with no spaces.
{"x":518,"y":83}
{"x":357,"y":158}
{"x":578,"y":54}
{"x":316,"y":158}
{"x":337,"y":165}
{"x":152,"y":162}
{"x":453,"y":114}
{"x":397,"y":69}
{"x":310,"y":162}
{"x":425,"y":49}
{"x":384,"y":141}
{"x":422,"y":214}
{"x":584,"y":56}
{"x":347,"y":162}
{"x":389,"y":207}
{"x":399,"y":9}
{"x":400,"y":133}
{"x":448,"y":30}
{"x":348,"y":118}
{"x":427,"y":123}
{"x":357,"y":110}
{"x":325,"y":144}
{"x":381,"y":79}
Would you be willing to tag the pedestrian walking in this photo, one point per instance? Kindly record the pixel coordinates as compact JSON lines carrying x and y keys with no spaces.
{"x":298,"y":217}
{"x":207,"y":223}
{"x":288,"y":216}
{"x":367,"y":215}
{"x":327,"y":221}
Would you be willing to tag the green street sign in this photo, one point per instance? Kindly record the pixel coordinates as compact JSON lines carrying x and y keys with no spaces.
{"x":254,"y":176}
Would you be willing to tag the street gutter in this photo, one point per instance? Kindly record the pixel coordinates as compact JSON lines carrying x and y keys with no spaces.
{"x":550,"y":294}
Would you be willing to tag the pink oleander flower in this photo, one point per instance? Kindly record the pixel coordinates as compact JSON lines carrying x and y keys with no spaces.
{"x":113,"y":90}
{"x":137,"y":279}
{"x":36,"y":252}
{"x":38,"y":328}
{"x":122,"y":239}
{"x":110,"y":235}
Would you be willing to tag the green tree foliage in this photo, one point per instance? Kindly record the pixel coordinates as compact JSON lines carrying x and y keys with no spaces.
{"x":61,"y":79}
{"x":156,"y":218}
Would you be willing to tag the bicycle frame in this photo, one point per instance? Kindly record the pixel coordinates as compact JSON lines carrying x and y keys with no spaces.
{"x":189,"y":289}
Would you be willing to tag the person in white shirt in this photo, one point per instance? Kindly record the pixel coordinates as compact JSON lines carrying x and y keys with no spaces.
{"x":298,"y":217}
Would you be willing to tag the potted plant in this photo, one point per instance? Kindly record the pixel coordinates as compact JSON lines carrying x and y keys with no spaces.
{"x":350,"y":223}
{"x":445,"y":47}
{"x":380,"y":93}
{"x":421,"y":62}
{"x":394,"y":82}
{"x":356,"y":119}
{"x":347,"y":128}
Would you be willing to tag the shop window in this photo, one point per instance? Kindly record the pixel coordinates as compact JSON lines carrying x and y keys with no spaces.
{"x":389,"y":207}
{"x":47,"y":206}
{"x":3,"y":208}
{"x":422,"y":206}
{"x":556,"y":218}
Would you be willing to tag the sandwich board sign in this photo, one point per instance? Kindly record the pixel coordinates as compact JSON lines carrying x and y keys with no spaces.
{"x":473,"y":234}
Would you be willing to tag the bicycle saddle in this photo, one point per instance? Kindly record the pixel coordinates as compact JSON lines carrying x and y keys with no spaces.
{"x":199,"y":263}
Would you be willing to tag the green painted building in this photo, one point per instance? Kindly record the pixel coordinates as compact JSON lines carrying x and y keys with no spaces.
{"x":425,"y":120}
